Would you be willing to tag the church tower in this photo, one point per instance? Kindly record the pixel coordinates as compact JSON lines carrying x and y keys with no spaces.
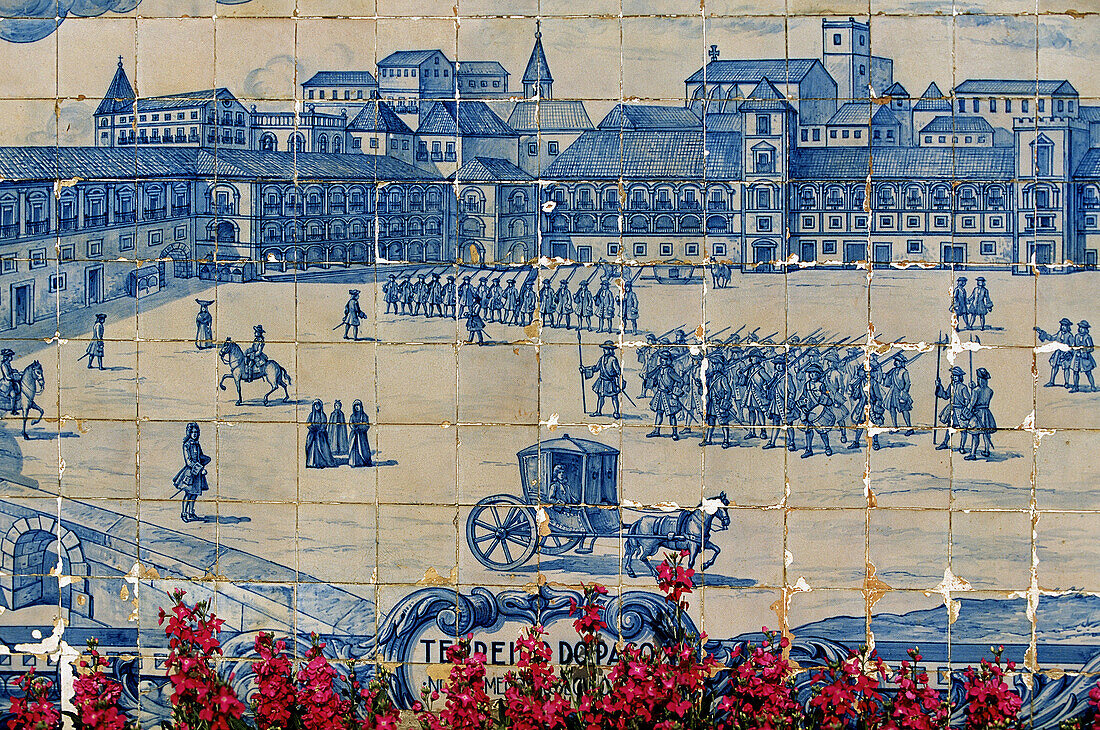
{"x":119,"y":100}
{"x":537,"y":78}
{"x":846,"y":54}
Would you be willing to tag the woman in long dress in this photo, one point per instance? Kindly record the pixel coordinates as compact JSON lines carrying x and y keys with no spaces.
{"x":338,"y":430}
{"x":359,"y":451}
{"x":318,"y":451}
{"x":191,"y":479}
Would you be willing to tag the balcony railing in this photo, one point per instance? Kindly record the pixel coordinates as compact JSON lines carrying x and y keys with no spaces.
{"x":36,"y":227}
{"x":340,"y":208}
{"x":663,"y":205}
{"x":180,"y":210}
{"x":66,"y":224}
{"x":273,"y":209}
{"x":218,"y":209}
{"x":154,"y":214}
{"x":125,"y":216}
{"x":313,"y":208}
{"x":92,"y":221}
{"x":718,"y":204}
{"x":10,"y":230}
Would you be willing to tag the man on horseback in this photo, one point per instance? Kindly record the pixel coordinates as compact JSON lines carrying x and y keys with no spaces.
{"x":254,"y":357}
{"x":12,"y":380}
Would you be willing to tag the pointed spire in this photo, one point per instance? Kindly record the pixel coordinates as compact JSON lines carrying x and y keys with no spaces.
{"x":120,"y":95}
{"x":537,"y":76}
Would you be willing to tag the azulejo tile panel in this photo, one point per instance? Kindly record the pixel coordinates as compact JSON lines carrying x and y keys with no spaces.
{"x":395,"y":321}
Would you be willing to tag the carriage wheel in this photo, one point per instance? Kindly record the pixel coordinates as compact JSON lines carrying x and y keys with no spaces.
{"x":558,"y":544}
{"x":501,"y":532}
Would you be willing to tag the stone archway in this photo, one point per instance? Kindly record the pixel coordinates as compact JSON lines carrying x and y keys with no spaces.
{"x":30,"y":551}
{"x":181,"y":260}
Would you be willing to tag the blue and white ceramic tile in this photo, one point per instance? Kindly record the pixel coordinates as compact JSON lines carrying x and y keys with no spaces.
{"x":769,"y":282}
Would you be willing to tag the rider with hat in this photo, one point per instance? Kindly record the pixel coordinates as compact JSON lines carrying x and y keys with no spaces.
{"x":12,"y":379}
{"x":254,"y":356}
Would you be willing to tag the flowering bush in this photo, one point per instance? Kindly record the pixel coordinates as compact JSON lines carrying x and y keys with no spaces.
{"x":95,"y":695}
{"x":761,"y":693}
{"x":201,"y":698}
{"x":670,"y":686}
{"x":467,"y":705}
{"x":991,"y":703}
{"x":34,"y":710}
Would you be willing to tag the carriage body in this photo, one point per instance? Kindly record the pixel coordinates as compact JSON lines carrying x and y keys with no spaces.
{"x":572,"y":482}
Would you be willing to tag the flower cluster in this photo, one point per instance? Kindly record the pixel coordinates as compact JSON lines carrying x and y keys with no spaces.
{"x":761,"y":694}
{"x":916,"y":705}
{"x":674,"y":580}
{"x":991,"y":702}
{"x":850,"y":691}
{"x":378,"y":710}
{"x":273,"y":705}
{"x":1094,"y":705}
{"x":95,"y":695}
{"x":535,"y":696}
{"x":201,"y":698}
{"x":34,"y":710}
{"x":321,"y":705}
{"x":467,"y":705}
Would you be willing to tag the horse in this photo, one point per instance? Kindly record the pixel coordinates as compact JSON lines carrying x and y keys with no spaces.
{"x":273,"y":373}
{"x":688,"y":530}
{"x":31,"y":384}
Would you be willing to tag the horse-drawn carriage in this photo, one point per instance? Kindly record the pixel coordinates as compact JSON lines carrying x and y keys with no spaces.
{"x":570,"y":497}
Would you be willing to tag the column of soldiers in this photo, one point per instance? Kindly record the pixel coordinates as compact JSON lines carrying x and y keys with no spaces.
{"x":493,"y":299}
{"x":751,"y":391}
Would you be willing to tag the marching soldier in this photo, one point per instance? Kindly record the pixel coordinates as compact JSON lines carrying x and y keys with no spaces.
{"x":547,"y":303}
{"x":666,"y":401}
{"x":980,"y":303}
{"x":897,"y":398}
{"x":647,"y":358}
{"x":391,"y":293}
{"x":955,"y":415}
{"x":585,"y":303}
{"x":754,"y":380}
{"x":865,"y":391}
{"x":1062,"y":358}
{"x":836,"y":385}
{"x":95,"y":347}
{"x":719,"y":395}
{"x":609,"y":378}
{"x":630,"y":308}
{"x":564,"y":302}
{"x":605,"y":306}
{"x":960,"y":304}
{"x":1083,"y":361}
{"x":981,"y":418}
{"x":816,"y":410}
{"x":352,"y":313}
{"x":782,"y":403}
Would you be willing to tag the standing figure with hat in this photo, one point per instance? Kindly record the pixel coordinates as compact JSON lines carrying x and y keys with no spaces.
{"x":254,"y":357}
{"x":666,"y":401}
{"x":609,"y":378}
{"x":956,"y":414}
{"x":527,"y":302}
{"x":897,"y":399}
{"x":465,"y":296}
{"x":12,"y":380}
{"x":204,"y":331}
{"x":816,"y":408}
{"x":960,"y":305}
{"x":475,"y":325}
{"x":754,"y":380}
{"x":630,"y":308}
{"x":449,"y":298}
{"x":605,"y":306}
{"x":191,"y":478}
{"x":405,"y":294}
{"x":981,"y":418}
{"x":564,"y":303}
{"x":584,"y":303}
{"x":718,"y":399}
{"x":980,"y":303}
{"x":435,"y":297}
{"x":1083,"y":361}
{"x":865,"y":392}
{"x":420,"y":295}
{"x":494,"y":304}
{"x":548,"y":303}
{"x":510,"y":315}
{"x":352,"y":313}
{"x":1062,"y":358}
{"x":95,"y":347}
{"x":782,"y":403}
{"x":391,"y":293}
